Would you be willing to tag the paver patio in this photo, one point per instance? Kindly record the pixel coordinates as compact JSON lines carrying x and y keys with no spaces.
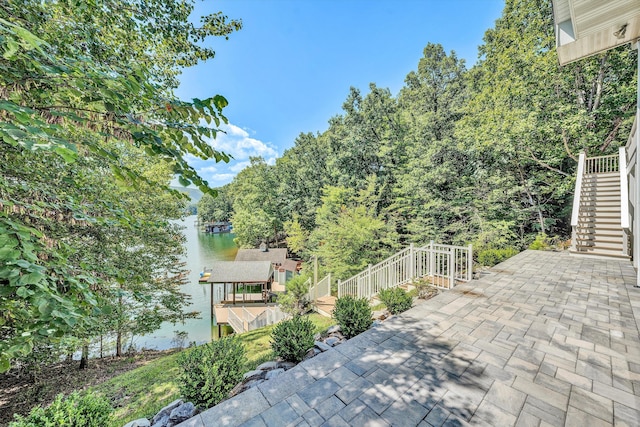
{"x":544,"y":339}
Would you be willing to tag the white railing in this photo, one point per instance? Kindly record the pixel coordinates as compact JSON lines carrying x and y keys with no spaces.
{"x":321,"y":289}
{"x":236,"y":322}
{"x":270,"y":316}
{"x":444,"y":264}
{"x":632,"y":180}
{"x":602,"y":164}
{"x":624,"y":190}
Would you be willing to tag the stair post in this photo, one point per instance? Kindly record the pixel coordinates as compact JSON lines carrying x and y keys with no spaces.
{"x":576,"y":202}
{"x":432,"y":260}
{"x":412,"y":262}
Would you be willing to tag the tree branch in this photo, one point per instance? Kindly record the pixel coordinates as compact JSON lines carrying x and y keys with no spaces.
{"x":541,"y":163}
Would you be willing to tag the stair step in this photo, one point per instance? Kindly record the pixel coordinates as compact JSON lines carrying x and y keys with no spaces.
{"x":597,"y":252}
{"x":600,"y":231}
{"x":598,"y":239}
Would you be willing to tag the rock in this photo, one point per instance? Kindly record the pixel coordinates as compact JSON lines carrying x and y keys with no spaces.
{"x":332,"y":341}
{"x":312,"y":352}
{"x":166,"y":411}
{"x":239,"y":388}
{"x":162,"y":422}
{"x":267,"y":366}
{"x":376,"y":323}
{"x":317,"y":337}
{"x":253,"y":383}
{"x":181,"y":413}
{"x":333,"y":329}
{"x":322,"y":346}
{"x":253,"y":375}
{"x":142,"y":422}
{"x":286,"y":365}
{"x":274,"y":373}
{"x":377,"y":314}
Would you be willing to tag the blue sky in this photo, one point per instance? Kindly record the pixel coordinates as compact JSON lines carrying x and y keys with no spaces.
{"x":290,"y":68}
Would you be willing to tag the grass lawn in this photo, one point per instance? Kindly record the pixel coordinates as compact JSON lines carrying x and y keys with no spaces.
{"x":145,"y":390}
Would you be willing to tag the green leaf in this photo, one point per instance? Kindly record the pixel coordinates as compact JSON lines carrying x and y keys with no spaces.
{"x":5,"y":363}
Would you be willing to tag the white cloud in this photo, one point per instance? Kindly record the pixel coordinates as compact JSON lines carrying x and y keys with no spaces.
{"x":236,"y":142}
{"x":207,"y":170}
{"x":240,"y":145}
{"x":239,"y":166}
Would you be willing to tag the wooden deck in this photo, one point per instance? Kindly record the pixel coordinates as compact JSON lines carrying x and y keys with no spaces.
{"x":325,"y":305}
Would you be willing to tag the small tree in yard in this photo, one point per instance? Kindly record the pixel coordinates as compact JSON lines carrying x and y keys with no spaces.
{"x":210,"y":371}
{"x":294,"y":301}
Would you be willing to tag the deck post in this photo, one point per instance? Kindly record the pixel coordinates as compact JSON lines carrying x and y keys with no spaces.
{"x":451,"y":269}
{"x":432,"y":260}
{"x":369,"y":281}
{"x":412,"y":262}
{"x":636,"y":213}
{"x":470,"y":262}
{"x":339,"y":288}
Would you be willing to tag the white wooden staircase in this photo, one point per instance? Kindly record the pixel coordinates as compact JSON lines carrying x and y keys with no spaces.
{"x":598,"y":220}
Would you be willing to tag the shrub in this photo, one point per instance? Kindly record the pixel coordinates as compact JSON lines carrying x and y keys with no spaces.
{"x":541,"y":242}
{"x":294,"y":301}
{"x":89,"y":410}
{"x":492,"y":256}
{"x":396,"y":300}
{"x":210,"y":371}
{"x":291,"y":339}
{"x":353,"y":315}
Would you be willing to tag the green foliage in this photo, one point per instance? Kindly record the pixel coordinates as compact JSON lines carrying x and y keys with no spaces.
{"x":210,"y":371}
{"x":540,"y":243}
{"x":489,"y":257}
{"x":215,"y":209}
{"x":295,"y":301}
{"x":397,"y":300}
{"x":89,"y":141}
{"x":353,"y":315}
{"x":75,"y":410}
{"x":291,"y":339}
{"x":257,"y":215}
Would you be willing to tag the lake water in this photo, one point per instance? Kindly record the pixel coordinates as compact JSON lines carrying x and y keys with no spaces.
{"x":202,"y":251}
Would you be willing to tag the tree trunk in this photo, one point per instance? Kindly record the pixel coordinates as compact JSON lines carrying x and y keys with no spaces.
{"x":119,"y":344}
{"x":84,"y":360}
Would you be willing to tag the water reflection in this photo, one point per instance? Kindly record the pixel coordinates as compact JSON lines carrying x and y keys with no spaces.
{"x":202,"y":251}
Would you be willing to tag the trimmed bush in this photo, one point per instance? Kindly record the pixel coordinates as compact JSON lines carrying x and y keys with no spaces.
{"x":89,"y":410}
{"x":291,"y":339}
{"x":541,"y":243}
{"x":491,"y":257}
{"x":396,"y":300}
{"x":353,"y":315}
{"x":210,"y":371}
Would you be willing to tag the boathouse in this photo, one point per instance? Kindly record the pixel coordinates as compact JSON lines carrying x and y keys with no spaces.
{"x":242,"y":281}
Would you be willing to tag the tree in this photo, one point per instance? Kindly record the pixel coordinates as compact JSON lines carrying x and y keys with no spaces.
{"x":257,"y":215}
{"x":215,"y":209}
{"x":71,"y":102}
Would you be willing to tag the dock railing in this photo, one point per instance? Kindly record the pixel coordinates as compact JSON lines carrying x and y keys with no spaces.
{"x":236,"y":322}
{"x":270,"y":316}
{"x":444,"y":264}
{"x":321,"y":289}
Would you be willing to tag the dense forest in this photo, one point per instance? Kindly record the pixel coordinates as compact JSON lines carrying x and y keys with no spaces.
{"x":484,"y":155}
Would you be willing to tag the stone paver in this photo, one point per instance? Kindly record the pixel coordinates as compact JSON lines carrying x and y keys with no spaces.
{"x":543,"y":339}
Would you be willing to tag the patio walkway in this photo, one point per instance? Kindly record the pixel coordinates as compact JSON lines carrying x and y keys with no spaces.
{"x":544,"y":339}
